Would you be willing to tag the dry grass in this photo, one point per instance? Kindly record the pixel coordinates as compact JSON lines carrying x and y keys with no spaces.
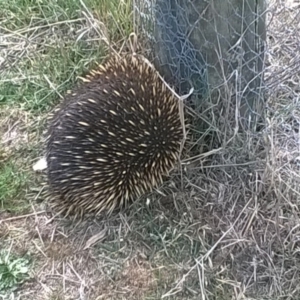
{"x":227,"y":227}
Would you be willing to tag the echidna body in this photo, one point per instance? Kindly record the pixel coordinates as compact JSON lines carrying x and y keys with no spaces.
{"x":113,"y":138}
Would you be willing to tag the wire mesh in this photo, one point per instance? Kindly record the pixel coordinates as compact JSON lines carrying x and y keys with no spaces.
{"x":215,"y":47}
{"x":258,"y":54}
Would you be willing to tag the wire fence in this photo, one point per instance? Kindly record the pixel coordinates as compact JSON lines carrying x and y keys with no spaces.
{"x":218,"y":48}
{"x":238,"y":55}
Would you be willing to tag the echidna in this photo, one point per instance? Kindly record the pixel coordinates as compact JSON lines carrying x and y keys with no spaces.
{"x":113,"y":138}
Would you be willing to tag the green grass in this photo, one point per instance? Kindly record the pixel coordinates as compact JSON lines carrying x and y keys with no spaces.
{"x":49,"y":76}
{"x":116,"y":15}
{"x":13,"y":182}
{"x":60,"y":40}
{"x":13,"y":270}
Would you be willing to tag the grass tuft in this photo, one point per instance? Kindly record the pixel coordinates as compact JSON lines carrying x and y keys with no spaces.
{"x":13,"y":270}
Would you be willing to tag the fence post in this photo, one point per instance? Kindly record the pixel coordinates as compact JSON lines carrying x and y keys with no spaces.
{"x":213,"y":43}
